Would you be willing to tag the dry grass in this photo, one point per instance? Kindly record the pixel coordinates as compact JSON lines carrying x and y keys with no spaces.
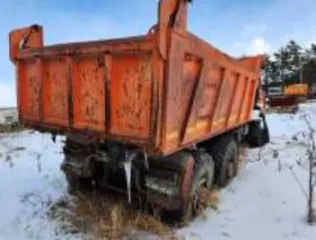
{"x":9,"y":128}
{"x":242,"y":158}
{"x":109,"y":217}
{"x":208,"y":199}
{"x":106,"y":217}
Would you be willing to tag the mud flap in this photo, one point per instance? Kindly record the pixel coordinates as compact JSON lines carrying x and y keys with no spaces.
{"x":258,"y":133}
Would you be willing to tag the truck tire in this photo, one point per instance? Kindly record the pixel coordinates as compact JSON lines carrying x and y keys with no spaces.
{"x":225,"y":153}
{"x":202,"y":180}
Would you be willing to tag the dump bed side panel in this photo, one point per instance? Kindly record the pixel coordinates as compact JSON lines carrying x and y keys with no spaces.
{"x":108,"y":94}
{"x":29,"y":90}
{"x":55,"y":84}
{"x":131,"y":95}
{"x":207,"y":92}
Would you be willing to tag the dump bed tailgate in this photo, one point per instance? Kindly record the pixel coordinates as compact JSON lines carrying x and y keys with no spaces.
{"x":102,"y":87}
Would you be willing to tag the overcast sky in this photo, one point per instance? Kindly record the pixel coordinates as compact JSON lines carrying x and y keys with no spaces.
{"x":237,"y":27}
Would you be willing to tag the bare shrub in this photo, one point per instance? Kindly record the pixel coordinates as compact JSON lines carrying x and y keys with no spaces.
{"x":311,"y":154}
{"x":309,"y":143}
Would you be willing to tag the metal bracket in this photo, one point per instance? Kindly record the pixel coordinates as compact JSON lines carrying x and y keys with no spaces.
{"x":29,"y":37}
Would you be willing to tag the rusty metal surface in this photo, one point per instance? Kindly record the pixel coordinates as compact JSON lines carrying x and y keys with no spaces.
{"x":162,"y":91}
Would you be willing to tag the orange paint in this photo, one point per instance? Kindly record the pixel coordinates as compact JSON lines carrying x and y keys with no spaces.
{"x":296,"y":89}
{"x":162,"y":91}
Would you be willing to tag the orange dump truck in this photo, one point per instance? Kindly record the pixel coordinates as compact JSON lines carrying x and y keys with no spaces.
{"x":289,"y":97}
{"x":158,"y":116}
{"x":296,"y":89}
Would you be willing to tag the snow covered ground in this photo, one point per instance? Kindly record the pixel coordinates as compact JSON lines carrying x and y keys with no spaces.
{"x":30,"y":181}
{"x":263,"y":202}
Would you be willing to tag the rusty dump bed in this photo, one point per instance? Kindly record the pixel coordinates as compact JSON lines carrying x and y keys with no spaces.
{"x":161,"y":92}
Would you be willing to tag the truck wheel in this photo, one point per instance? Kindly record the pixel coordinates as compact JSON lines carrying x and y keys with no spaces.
{"x":76,"y":183}
{"x":225,"y":154}
{"x":202,"y":181}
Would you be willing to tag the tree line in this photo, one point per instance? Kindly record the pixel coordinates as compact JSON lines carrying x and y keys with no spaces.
{"x":291,"y":64}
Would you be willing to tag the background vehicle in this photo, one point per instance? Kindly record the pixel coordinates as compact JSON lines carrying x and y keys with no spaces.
{"x":275,"y":91}
{"x":288,"y":97}
{"x":161,"y":115}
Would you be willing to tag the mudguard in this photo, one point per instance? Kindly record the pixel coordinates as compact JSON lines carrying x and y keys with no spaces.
{"x":258,"y":133}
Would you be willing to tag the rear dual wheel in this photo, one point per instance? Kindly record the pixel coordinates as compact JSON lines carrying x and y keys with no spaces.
{"x":201,"y":183}
{"x":207,"y":171}
{"x":219,"y":166}
{"x":225,"y":153}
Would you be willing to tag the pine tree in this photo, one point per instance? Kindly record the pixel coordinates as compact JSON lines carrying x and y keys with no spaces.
{"x":296,"y":58}
{"x":309,"y":69}
{"x":270,"y":71}
{"x":285,"y":65}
